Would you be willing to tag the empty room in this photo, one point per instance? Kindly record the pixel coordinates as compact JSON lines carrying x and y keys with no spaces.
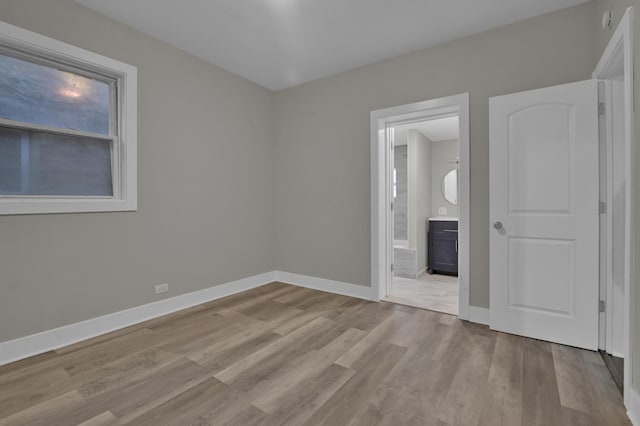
{"x":319,"y":212}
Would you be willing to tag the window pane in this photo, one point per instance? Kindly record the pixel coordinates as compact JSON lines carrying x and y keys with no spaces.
{"x":34,"y":163}
{"x":46,"y":96}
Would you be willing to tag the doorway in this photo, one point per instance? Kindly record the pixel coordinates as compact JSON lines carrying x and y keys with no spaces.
{"x":425,"y":158}
{"x":401,"y":267}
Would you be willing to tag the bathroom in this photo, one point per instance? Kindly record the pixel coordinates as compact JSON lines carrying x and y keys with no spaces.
{"x":425,"y":220}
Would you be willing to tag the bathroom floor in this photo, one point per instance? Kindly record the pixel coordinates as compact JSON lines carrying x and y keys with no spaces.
{"x":434,"y":292}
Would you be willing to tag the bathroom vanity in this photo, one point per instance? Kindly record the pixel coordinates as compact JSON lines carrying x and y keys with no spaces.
{"x":442,"y":246}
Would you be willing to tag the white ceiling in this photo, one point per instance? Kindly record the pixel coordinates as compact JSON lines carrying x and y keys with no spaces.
{"x":282,"y":43}
{"x":441,"y":129}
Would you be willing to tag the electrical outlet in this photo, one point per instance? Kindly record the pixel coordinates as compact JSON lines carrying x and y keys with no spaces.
{"x":442,"y":211}
{"x":162,"y":288}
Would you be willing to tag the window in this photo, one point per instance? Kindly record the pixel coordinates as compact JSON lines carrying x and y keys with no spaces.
{"x":67,"y":128}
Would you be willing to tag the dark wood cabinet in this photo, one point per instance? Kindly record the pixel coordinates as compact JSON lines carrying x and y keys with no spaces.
{"x":442,"y":237}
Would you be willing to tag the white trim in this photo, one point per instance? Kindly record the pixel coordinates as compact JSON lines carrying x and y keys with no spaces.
{"x":125,"y":149}
{"x":35,"y":344}
{"x":381,"y":238}
{"x":616,"y":354}
{"x":322,"y":284}
{"x":479,"y":315}
{"x":633,"y":408}
{"x":621,"y":43}
{"x":45,"y":341}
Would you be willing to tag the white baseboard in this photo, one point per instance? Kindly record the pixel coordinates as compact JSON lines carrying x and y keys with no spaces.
{"x":337,"y":287}
{"x":479,"y":315}
{"x":633,"y":410}
{"x":24,"y":347}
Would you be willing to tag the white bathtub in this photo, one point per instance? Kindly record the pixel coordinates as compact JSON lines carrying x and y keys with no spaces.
{"x":401,"y":243}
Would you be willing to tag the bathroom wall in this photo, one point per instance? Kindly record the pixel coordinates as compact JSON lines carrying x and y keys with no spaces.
{"x":413,"y":201}
{"x":423,"y":192}
{"x":443,"y":152}
{"x":400,"y":214}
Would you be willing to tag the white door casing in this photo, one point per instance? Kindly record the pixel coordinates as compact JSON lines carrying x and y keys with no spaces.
{"x":381,"y":236}
{"x":544,"y":193}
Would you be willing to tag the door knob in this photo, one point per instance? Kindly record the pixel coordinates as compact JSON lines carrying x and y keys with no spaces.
{"x":497,"y":225}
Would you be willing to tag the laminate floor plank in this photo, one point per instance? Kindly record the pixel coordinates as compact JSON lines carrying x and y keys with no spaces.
{"x":352,"y":397}
{"x":249,"y":298}
{"x":104,"y":419}
{"x":373,"y":416}
{"x":105,"y":352}
{"x":573,"y":387}
{"x":540,"y":395}
{"x":284,"y":355}
{"x":208,"y":403}
{"x":54,"y":411}
{"x":142,"y":391}
{"x":304,"y":398}
{"x":379,"y":334}
{"x":606,"y":394}
{"x":122,"y":372}
{"x":23,"y":392}
{"x":268,"y":362}
{"x":32,"y":362}
{"x":270,"y":310}
{"x":462,"y":404}
{"x":503,"y":405}
{"x":226,"y":352}
{"x":313,"y":364}
{"x":414,"y":331}
{"x":407,"y":392}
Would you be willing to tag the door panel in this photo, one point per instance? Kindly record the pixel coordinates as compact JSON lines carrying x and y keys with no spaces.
{"x":530,"y":285}
{"x":544,"y":193}
{"x":533,"y":148}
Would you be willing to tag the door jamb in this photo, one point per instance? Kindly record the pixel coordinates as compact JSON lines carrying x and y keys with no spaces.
{"x":621,"y":43}
{"x":381,"y":217}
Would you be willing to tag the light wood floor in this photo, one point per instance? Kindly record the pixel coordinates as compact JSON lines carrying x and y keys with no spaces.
{"x":284,"y":355}
{"x":434,"y":292}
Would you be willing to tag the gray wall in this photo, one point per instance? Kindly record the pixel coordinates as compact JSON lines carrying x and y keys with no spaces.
{"x":206,"y":173}
{"x":603,"y":36}
{"x":423,"y":164}
{"x":400,"y":207}
{"x":323,"y":140}
{"x":443,"y":153}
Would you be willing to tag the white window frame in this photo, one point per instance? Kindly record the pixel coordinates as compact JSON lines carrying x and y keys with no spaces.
{"x":124,"y":151}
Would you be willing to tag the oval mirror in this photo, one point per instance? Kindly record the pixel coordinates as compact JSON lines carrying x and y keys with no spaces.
{"x":450,"y":187}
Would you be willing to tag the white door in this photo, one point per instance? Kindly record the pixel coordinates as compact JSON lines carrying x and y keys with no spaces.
{"x":544,"y":212}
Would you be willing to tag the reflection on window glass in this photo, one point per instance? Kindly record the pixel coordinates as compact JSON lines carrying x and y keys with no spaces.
{"x":43,"y":95}
{"x":36,"y":163}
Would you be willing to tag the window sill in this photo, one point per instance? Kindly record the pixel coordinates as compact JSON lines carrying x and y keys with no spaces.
{"x":21,"y":206}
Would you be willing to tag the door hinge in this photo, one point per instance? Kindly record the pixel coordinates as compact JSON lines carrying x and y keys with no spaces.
{"x":392,"y":145}
{"x":602,"y":306}
{"x":391,"y":206}
{"x":602,"y":207}
{"x":392,"y":267}
{"x":601,"y":108}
